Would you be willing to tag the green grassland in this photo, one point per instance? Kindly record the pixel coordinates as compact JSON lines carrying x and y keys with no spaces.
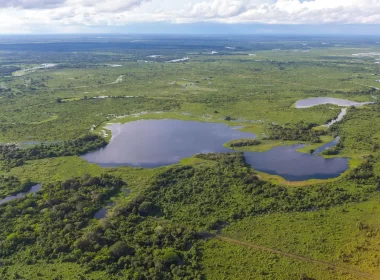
{"x":225,"y":260}
{"x":317,"y":235}
{"x":233,"y":86}
{"x":209,"y":216}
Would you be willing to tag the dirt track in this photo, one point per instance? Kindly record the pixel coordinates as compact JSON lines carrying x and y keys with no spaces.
{"x":359,"y":274}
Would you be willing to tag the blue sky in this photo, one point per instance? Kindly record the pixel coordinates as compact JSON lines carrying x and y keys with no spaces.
{"x":190,"y":16}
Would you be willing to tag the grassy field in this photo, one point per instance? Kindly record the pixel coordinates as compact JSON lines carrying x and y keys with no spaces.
{"x":233,"y":85}
{"x":316,"y":235}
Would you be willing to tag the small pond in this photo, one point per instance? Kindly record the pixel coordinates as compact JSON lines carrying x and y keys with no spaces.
{"x":154,"y":143}
{"x":102,"y":213}
{"x":310,"y":102}
{"x":33,"y":189}
{"x":286,"y":162}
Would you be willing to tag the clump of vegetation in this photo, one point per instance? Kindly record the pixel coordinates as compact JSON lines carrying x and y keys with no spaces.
{"x":330,"y":152}
{"x":295,"y":132}
{"x":335,"y":150}
{"x":13,"y":156}
{"x":244,"y":143}
{"x":364,"y":173}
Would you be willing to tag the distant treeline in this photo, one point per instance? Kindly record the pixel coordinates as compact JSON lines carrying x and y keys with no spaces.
{"x":13,"y":156}
{"x":8,"y":70}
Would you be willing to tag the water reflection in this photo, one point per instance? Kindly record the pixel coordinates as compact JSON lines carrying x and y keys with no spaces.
{"x":286,"y":162}
{"x":153,"y":143}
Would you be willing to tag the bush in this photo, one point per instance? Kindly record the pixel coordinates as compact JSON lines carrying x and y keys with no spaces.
{"x":146,"y":208}
{"x":119,"y":249}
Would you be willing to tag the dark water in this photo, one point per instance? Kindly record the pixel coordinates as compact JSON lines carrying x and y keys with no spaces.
{"x":33,"y":189}
{"x":286,"y":162}
{"x":153,"y":143}
{"x":102,"y":212}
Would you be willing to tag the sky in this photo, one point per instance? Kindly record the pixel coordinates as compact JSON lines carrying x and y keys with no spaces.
{"x":190,"y":16}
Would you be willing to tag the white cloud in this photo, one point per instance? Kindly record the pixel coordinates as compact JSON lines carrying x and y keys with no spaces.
{"x":220,"y":8}
{"x":286,"y":11}
{"x":56,"y":14}
{"x":111,"y":6}
{"x":31,"y":4}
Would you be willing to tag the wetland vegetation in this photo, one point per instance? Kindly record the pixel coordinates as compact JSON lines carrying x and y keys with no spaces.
{"x":246,"y":182}
{"x":244,"y":143}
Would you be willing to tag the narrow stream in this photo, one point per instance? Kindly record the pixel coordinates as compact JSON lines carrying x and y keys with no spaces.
{"x":343,"y":112}
{"x":33,"y":189}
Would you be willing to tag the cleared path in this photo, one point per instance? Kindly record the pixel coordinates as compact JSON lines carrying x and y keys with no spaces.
{"x":359,"y":274}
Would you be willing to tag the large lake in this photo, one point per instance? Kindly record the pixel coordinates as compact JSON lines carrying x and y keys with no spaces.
{"x":154,"y":143}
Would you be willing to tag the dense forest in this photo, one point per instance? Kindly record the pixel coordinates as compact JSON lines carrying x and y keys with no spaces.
{"x":56,"y":224}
